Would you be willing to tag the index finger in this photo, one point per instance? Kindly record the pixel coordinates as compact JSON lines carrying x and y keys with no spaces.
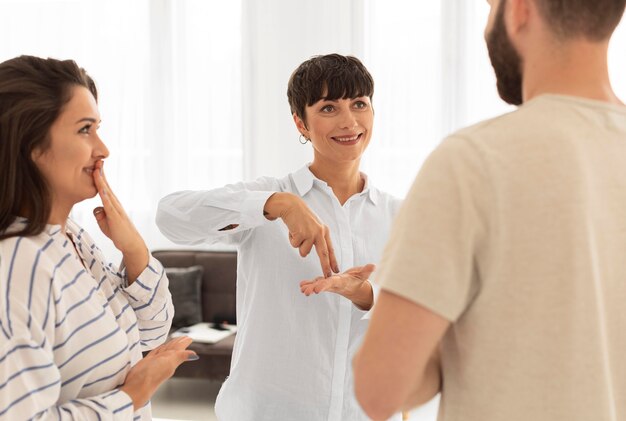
{"x":331,"y":252}
{"x":101,"y":178}
{"x":322,"y":251}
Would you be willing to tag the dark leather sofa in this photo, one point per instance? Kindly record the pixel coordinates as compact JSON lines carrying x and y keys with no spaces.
{"x":218,"y":305}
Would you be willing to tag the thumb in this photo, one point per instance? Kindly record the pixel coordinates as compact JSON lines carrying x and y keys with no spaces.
{"x":100,"y":216}
{"x":190,"y":356}
{"x":367,"y":270}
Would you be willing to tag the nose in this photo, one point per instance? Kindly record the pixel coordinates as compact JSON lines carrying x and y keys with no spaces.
{"x":348,"y":120}
{"x":100,"y":151}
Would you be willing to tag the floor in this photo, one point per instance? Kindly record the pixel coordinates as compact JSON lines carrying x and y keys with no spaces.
{"x":193,"y":400}
{"x":185,"y":399}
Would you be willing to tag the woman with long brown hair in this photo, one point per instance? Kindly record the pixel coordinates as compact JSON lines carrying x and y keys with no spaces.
{"x":72,"y":326}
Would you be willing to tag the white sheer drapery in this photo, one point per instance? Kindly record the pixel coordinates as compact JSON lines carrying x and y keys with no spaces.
{"x":192,"y":92}
{"x":433,"y":76}
{"x":169,"y":80}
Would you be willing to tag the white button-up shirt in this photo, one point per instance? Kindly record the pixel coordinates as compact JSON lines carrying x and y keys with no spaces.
{"x":292,"y":354}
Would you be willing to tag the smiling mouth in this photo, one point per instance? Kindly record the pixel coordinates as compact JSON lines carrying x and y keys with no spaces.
{"x":347,"y":139}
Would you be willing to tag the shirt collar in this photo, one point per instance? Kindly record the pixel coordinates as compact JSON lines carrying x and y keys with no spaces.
{"x":372,"y":192}
{"x":50,"y":229}
{"x":304,"y":179}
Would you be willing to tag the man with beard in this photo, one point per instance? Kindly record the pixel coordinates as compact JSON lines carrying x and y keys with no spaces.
{"x":503,"y":279}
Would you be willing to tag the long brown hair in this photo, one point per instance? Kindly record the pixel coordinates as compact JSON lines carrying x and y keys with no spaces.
{"x":33,"y":92}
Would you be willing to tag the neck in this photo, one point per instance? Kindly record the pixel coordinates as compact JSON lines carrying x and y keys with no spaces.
{"x":344,"y":178}
{"x":59,"y":215}
{"x":575,"y":68}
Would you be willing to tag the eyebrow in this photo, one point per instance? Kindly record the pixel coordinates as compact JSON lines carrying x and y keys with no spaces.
{"x":89,"y":119}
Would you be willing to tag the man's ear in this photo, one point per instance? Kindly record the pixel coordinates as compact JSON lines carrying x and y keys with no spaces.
{"x":517,"y":15}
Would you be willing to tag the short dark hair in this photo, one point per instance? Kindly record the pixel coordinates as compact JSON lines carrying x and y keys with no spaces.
{"x":330,"y":76}
{"x":33,"y":92}
{"x":594,"y":20}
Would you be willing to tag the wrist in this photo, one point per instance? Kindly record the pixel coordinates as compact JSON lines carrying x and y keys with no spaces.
{"x":135,"y":262}
{"x":137,"y":254}
{"x":138,"y":396}
{"x":276,"y":205}
{"x":363,"y":298}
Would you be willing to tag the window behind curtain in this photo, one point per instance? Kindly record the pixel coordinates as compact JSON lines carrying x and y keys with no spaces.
{"x":168,"y":74}
{"x":433,"y":76}
{"x":403,"y":51}
{"x":617,"y":60}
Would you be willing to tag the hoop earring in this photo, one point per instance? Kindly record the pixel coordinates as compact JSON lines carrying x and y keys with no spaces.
{"x":306,"y":139}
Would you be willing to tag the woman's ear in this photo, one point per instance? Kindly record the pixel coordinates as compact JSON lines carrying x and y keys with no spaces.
{"x":36,"y":154}
{"x":300,"y":125}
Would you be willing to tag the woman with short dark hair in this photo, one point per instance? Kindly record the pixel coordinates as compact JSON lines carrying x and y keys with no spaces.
{"x":291,"y":359}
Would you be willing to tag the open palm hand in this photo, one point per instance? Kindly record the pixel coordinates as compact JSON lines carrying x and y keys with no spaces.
{"x":352,"y":284}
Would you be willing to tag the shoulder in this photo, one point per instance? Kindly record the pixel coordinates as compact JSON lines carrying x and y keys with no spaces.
{"x":386,"y":200}
{"x":274,"y":183}
{"x":262,"y":183}
{"x":387,"y":203}
{"x":20,"y":250}
{"x":26,"y":269}
{"x":527,"y":123}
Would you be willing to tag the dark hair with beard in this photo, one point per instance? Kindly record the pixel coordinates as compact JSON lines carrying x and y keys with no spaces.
{"x":505,"y":60}
{"x":33,"y":92}
{"x":594,"y":20}
{"x":332,"y":75}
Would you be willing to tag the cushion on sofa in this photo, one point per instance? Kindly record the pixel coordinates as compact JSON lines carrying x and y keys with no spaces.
{"x":218,"y":304}
{"x":185,"y":287}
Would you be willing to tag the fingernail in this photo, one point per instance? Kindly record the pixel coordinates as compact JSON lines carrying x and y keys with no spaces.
{"x":193,"y":357}
{"x":336,"y":269}
{"x":100,"y":171}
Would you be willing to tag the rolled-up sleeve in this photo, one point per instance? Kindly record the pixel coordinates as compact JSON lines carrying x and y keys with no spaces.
{"x":223,"y":214}
{"x":151,"y":300}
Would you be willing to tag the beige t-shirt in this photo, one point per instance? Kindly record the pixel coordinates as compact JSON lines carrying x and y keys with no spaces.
{"x":515,"y":231}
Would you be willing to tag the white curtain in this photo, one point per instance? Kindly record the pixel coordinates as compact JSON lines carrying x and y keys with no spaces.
{"x":433,"y":76}
{"x":193,"y":92}
{"x":277,"y":36}
{"x":169,"y":80}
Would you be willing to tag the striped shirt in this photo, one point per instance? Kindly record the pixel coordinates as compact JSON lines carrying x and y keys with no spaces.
{"x":71,"y":331}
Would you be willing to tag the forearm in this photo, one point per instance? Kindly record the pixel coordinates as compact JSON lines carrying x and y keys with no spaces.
{"x":39,"y":400}
{"x":398,"y":365}
{"x":210,"y":216}
{"x":429,"y":385}
{"x":151,"y":301}
{"x":136,"y":261}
